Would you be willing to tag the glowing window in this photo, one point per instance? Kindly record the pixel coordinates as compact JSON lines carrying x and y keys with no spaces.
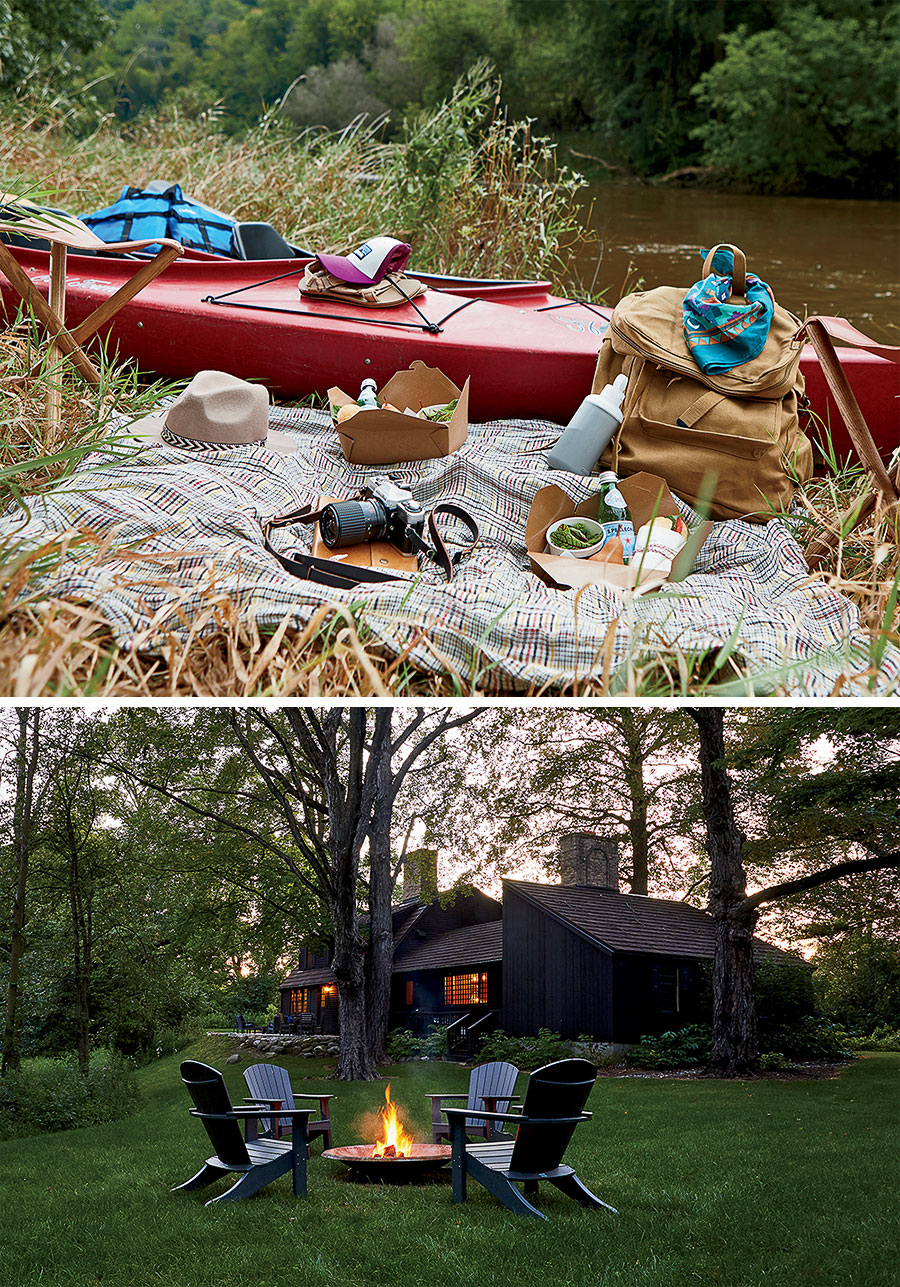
{"x":409,"y":992}
{"x":465,"y":989}
{"x":299,"y":1000}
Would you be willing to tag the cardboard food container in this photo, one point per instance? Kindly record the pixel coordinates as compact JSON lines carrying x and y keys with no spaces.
{"x":388,"y":437}
{"x":647,"y":496}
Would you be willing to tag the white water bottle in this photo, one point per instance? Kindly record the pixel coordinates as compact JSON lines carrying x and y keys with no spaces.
{"x":587,"y":434}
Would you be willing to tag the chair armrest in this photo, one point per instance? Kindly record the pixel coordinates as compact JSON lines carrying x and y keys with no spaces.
{"x":323,"y":1101}
{"x":454,"y":1114}
{"x":458,"y":1095}
{"x":292,"y":1112}
{"x":554,"y":1121}
{"x":260,"y":1110}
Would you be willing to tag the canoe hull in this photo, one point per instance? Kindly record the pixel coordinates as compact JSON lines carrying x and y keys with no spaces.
{"x":529,"y":354}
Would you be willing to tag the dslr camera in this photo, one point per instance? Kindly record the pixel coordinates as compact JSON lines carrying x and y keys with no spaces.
{"x":383,"y":512}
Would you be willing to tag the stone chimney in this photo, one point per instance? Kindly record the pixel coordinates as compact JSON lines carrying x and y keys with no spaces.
{"x":585,"y":859}
{"x":420,"y":875}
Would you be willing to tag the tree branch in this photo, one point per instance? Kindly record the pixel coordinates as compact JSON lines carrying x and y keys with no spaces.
{"x":848,"y":868}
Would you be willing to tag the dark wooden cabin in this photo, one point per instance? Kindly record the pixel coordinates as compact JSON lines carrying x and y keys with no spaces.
{"x":579,"y":958}
{"x":446,"y":962}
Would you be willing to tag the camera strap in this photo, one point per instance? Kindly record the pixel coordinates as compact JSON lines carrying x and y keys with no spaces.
{"x":437,"y":551}
{"x":322,"y":571}
{"x":334,"y":573}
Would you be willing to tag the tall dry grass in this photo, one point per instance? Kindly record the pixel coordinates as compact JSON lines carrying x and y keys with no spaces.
{"x":473,"y":192}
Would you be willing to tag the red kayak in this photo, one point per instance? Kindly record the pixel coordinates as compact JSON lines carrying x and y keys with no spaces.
{"x":529,"y":353}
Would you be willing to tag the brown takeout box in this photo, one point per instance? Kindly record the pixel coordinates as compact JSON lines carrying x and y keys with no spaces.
{"x":647,"y":496}
{"x":388,"y":437}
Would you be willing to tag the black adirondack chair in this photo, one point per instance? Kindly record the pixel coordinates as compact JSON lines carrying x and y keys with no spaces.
{"x":553,"y":1106}
{"x":256,"y":1161}
{"x":271,"y":1084}
{"x":491,"y":1086}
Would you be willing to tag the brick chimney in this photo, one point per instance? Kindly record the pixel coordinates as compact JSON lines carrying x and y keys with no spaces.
{"x":586,"y":859}
{"x":420,"y":875}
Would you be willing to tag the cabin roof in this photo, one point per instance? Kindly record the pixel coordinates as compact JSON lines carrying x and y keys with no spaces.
{"x":466,"y":945}
{"x":307,"y":978}
{"x":633,"y":922}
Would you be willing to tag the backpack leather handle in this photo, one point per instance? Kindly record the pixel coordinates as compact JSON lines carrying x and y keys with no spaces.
{"x":738,"y":268}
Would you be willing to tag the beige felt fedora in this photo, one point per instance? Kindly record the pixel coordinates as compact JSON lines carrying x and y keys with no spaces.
{"x":217,"y":411}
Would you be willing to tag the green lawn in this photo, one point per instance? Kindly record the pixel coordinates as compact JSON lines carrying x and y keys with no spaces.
{"x":717,"y":1184}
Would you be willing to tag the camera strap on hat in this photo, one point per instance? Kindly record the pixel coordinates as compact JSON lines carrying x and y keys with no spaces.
{"x":332,"y":572}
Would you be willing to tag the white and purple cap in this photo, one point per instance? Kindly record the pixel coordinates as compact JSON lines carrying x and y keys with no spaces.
{"x":369,"y":263}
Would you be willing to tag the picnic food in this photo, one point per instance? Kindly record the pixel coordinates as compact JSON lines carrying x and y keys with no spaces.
{"x":659,"y":541}
{"x":345,"y":413}
{"x":666,"y":522}
{"x":612,"y":551}
{"x":575,"y":536}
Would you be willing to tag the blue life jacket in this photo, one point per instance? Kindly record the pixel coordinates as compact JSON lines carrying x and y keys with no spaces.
{"x":138,"y":214}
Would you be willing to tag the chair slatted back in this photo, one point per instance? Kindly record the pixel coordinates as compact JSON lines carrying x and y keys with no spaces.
{"x":494,"y":1079}
{"x":556,"y":1090}
{"x":206,"y":1087}
{"x":269,"y":1081}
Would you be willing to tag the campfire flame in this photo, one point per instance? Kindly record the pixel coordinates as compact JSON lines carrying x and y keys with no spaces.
{"x":394,"y":1142}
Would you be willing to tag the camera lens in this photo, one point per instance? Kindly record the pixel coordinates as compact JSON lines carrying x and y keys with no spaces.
{"x":352,"y":521}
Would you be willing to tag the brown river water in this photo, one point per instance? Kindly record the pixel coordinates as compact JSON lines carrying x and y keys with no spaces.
{"x":818,"y":255}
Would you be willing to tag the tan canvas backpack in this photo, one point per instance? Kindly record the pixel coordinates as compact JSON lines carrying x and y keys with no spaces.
{"x":736,"y":432}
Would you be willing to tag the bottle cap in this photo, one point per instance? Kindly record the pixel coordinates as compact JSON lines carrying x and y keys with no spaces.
{"x":610,"y":398}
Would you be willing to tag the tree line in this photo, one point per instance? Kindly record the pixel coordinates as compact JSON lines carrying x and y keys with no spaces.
{"x":153,"y":856}
{"x":768,"y":95}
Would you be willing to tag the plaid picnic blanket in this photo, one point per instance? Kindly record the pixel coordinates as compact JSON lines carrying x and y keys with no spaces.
{"x":182,"y":528}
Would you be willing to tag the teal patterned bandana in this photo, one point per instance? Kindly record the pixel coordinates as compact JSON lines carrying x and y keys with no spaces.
{"x":721,"y":334}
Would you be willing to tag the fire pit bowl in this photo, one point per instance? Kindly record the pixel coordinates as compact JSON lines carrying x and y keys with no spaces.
{"x":395,"y":1170}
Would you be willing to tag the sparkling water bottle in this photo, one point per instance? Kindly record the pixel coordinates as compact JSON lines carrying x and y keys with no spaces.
{"x":614,"y":514}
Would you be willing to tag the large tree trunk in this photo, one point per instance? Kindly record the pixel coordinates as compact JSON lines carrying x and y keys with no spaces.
{"x":348,"y":810}
{"x":637,"y":820}
{"x":381,"y":929}
{"x":81,"y":950}
{"x":734,"y":1045}
{"x":26,"y":766}
{"x":355,"y":1062}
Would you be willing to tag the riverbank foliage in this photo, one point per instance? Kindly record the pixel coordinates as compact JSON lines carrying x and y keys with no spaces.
{"x":497,"y":201}
{"x":768,"y":96}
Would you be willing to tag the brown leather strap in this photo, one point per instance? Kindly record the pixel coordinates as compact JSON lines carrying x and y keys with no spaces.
{"x":635,"y":372}
{"x":886,"y":491}
{"x":738,"y":268}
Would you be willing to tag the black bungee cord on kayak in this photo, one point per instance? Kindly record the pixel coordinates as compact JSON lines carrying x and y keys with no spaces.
{"x":427,"y":325}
